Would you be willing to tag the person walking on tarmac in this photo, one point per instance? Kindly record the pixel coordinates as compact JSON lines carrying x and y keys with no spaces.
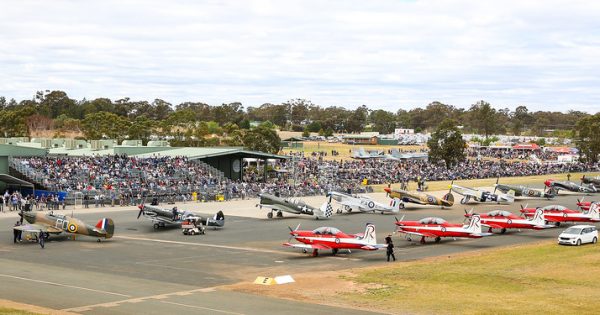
{"x":174,"y":213}
{"x":16,"y":232}
{"x":390,"y":247}
{"x":41,"y":239}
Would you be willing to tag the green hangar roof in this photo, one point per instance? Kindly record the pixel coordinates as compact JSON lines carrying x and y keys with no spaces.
{"x":202,"y":153}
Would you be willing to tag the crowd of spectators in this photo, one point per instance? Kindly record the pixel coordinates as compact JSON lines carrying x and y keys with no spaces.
{"x":123,"y":180}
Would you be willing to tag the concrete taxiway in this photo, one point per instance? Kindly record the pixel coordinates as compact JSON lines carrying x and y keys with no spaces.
{"x":142,"y":270}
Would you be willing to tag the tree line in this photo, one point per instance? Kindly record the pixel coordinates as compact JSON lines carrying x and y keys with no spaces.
{"x":200,"y":124}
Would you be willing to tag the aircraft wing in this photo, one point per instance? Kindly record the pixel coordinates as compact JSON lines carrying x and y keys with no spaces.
{"x":306,"y":246}
{"x":279,"y":207}
{"x":492,"y":225}
{"x":418,"y":233}
{"x":36,"y":228}
{"x":160,"y":219}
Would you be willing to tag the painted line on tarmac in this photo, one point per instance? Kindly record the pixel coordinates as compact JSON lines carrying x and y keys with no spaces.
{"x":63,"y":285}
{"x":87,"y":308}
{"x":202,"y":308}
{"x":246,"y":249}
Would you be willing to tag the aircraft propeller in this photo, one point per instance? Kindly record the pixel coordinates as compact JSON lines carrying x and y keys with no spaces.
{"x":468,"y":215}
{"x":496,"y":186}
{"x":292,"y":234}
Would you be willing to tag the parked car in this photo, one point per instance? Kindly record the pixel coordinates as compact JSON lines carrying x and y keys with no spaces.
{"x":578,"y":234}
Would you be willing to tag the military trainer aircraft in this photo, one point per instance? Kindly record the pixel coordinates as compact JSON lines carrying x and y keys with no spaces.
{"x":482,"y":195}
{"x":524,"y":191}
{"x":51,"y":223}
{"x":419,"y":198}
{"x":437,"y":228}
{"x":332,"y":238}
{"x":293,"y":205}
{"x":570,"y":186}
{"x":161,"y":217}
{"x":503,"y":220}
{"x":362,"y":203}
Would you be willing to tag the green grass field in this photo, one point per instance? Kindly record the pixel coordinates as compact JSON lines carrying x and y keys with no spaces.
{"x":528,"y":279}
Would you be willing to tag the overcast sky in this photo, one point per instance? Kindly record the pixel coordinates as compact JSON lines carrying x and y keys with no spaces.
{"x":385,"y":54}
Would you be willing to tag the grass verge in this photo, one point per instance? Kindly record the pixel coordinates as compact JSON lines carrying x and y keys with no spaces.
{"x":528,"y":279}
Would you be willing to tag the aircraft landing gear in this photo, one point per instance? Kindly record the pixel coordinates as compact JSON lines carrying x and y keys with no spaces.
{"x":304,"y":250}
{"x":438,"y":239}
{"x":99,"y":241}
{"x":557,"y":224}
{"x":334,"y":251}
{"x":423,"y":240}
{"x":156,"y":226}
{"x":490,"y":230}
{"x":315,"y":252}
{"x":338,"y":211}
{"x":279,"y":214}
{"x":503,"y":231}
{"x":464,"y":200}
{"x":270,"y":215}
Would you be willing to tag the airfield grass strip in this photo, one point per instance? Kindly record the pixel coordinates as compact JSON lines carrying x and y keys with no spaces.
{"x":12,"y":311}
{"x":526,"y":279}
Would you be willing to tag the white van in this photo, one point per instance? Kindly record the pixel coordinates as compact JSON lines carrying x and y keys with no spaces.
{"x":578,"y":234}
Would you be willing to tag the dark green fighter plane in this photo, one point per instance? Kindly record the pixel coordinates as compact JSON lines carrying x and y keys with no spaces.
{"x":50,"y":223}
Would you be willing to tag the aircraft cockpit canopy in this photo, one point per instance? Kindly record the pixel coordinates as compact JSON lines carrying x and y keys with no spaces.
{"x":499,"y":213}
{"x":432,"y":220}
{"x":554,"y":207}
{"x":326,"y":230}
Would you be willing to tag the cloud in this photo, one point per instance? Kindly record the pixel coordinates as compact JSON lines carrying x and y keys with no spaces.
{"x":386,"y":54}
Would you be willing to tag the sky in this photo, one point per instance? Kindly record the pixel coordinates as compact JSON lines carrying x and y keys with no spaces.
{"x":385,"y":54}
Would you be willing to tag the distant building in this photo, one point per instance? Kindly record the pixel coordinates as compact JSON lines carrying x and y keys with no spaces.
{"x":399,"y":132}
{"x":360,"y":139}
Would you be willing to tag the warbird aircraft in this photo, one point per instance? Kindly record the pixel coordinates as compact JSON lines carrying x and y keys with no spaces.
{"x":51,"y":223}
{"x":362,"y":203}
{"x":332,"y":238}
{"x":161,"y":217}
{"x":419,"y":198}
{"x":482,"y":195}
{"x":570,"y":186}
{"x":524,"y":191}
{"x":595,"y":181}
{"x":293,"y":205}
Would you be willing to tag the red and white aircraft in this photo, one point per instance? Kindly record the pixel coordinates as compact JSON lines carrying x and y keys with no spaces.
{"x":558,"y":214}
{"x":503,"y":220}
{"x":332,"y":238}
{"x":438,"y":228}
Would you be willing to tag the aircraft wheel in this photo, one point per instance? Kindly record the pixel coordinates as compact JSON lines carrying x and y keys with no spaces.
{"x":409,"y":239}
{"x":304,"y":250}
{"x":98,"y":241}
{"x":502,"y":231}
{"x":185,"y":232}
{"x":338,"y":211}
{"x":557,"y":224}
{"x":279,"y":214}
{"x":423,"y":240}
{"x":270,"y":215}
{"x":578,"y":242}
{"x":334,"y":251}
{"x":156,"y":226}
{"x":595,"y":240}
{"x":438,"y":239}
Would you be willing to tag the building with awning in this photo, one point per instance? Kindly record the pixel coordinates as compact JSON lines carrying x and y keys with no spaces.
{"x":526,"y":146}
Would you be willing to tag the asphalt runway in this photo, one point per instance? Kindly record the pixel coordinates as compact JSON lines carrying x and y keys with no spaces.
{"x":142,"y":270}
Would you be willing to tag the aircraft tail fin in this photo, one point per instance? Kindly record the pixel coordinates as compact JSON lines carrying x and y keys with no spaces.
{"x":325,"y":211}
{"x":474,"y":226}
{"x":594,"y":212}
{"x":538,"y":217}
{"x":107,"y":225}
{"x":369,"y":236}
{"x":449,"y":197}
